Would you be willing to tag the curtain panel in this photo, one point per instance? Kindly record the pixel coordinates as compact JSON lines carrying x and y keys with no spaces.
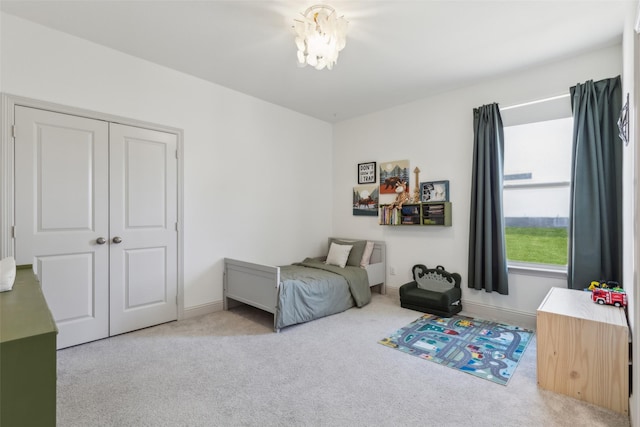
{"x":595,"y":215}
{"x":487,"y":248}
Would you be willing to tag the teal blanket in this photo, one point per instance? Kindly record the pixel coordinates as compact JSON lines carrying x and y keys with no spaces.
{"x":356,"y":279}
{"x":311,"y":289}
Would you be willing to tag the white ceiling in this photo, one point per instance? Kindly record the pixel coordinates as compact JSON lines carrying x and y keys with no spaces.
{"x":397,"y":51}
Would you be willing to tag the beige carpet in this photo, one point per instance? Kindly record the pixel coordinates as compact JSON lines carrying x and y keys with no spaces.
{"x":230,"y":369}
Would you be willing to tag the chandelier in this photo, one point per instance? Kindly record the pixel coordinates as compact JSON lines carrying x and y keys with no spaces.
{"x":320,"y":36}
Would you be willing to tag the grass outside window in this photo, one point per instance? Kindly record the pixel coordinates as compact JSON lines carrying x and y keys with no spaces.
{"x":537,"y":245}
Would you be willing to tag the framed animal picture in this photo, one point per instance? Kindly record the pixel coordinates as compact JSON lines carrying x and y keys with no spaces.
{"x":365,"y":200}
{"x":393,"y":174}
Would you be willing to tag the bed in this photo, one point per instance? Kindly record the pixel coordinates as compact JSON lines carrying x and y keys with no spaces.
{"x":307,"y":290}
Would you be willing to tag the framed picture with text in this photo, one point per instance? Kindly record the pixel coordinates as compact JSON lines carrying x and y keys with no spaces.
{"x":367,"y":173}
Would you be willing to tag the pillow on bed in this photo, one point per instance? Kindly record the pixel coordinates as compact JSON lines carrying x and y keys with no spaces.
{"x":355,"y":257}
{"x":366,"y":255}
{"x":338,"y":254}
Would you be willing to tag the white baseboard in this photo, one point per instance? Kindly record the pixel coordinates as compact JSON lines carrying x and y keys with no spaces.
{"x":393,"y":292}
{"x":484,"y":311}
{"x":200,"y":310}
{"x":489,"y":312}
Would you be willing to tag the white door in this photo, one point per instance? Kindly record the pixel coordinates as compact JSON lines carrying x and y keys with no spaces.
{"x":96,"y":214}
{"x":61,"y":205}
{"x":144,"y":275}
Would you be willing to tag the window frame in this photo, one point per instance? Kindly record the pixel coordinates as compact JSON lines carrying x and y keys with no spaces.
{"x":539,"y":270}
{"x":542,"y":110}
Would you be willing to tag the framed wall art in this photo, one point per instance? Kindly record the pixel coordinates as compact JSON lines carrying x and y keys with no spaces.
{"x":365,"y":200}
{"x":391,"y":173}
{"x":367,"y":173}
{"x":434,"y":191}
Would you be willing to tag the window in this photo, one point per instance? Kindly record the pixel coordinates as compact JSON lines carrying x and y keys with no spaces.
{"x":537,"y":177}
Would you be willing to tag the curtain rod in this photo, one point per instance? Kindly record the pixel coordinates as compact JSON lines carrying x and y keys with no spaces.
{"x":553,"y":98}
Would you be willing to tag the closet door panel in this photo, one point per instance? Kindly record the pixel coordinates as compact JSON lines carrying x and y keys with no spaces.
{"x":61,"y":203}
{"x":65,"y":178}
{"x":143,"y":176}
{"x":69,"y":287}
{"x":145,"y":271}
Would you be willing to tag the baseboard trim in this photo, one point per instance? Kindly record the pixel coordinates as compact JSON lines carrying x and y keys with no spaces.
{"x":393,"y":292}
{"x":485,"y":311}
{"x":489,"y":312}
{"x":201,"y":310}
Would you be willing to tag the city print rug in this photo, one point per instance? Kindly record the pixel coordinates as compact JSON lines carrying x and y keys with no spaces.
{"x":479,"y":347}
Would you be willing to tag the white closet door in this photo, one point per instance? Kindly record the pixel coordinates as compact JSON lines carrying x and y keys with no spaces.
{"x":143,"y":247}
{"x":61,"y":205}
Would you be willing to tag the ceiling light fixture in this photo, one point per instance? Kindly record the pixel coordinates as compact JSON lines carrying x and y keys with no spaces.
{"x":321,"y":35}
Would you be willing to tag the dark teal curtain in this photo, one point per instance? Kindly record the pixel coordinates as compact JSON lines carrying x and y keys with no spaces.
{"x":595,"y":216}
{"x":487,"y":249}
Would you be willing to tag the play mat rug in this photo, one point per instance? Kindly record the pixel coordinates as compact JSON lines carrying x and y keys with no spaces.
{"x":479,"y":347}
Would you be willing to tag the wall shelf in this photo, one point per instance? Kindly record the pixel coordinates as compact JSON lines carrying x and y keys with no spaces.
{"x":428,"y":213}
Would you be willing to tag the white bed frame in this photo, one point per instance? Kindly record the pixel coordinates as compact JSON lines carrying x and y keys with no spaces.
{"x":258,"y":285}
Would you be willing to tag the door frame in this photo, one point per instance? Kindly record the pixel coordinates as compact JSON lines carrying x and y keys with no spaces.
{"x":8,"y":103}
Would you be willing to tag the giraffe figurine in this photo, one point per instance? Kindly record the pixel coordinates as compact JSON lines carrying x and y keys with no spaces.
{"x":402,"y":196}
{"x":416,"y":191}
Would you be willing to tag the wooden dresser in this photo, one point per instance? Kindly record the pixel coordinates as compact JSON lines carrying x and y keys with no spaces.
{"x":583,"y":349}
{"x":27,"y":355}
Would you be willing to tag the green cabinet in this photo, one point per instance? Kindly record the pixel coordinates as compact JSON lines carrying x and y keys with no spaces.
{"x":428,"y":213}
{"x":27,"y":355}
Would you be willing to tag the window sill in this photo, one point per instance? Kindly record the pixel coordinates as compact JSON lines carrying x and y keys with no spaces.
{"x":539,"y":270}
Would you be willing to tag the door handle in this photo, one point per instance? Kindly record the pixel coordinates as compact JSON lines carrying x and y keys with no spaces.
{"x":117,"y":239}
{"x":101,"y":240}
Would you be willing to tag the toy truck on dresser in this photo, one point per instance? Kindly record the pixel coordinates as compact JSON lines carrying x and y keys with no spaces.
{"x":617,"y":297}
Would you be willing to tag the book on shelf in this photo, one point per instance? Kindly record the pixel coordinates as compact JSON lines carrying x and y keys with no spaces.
{"x":411,"y":210}
{"x":411,"y":220}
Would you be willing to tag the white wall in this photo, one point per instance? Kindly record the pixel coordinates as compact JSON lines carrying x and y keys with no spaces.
{"x":436,"y":135}
{"x":631,"y":162}
{"x":629,"y":177}
{"x":248,"y":190}
{"x":240,"y":151}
